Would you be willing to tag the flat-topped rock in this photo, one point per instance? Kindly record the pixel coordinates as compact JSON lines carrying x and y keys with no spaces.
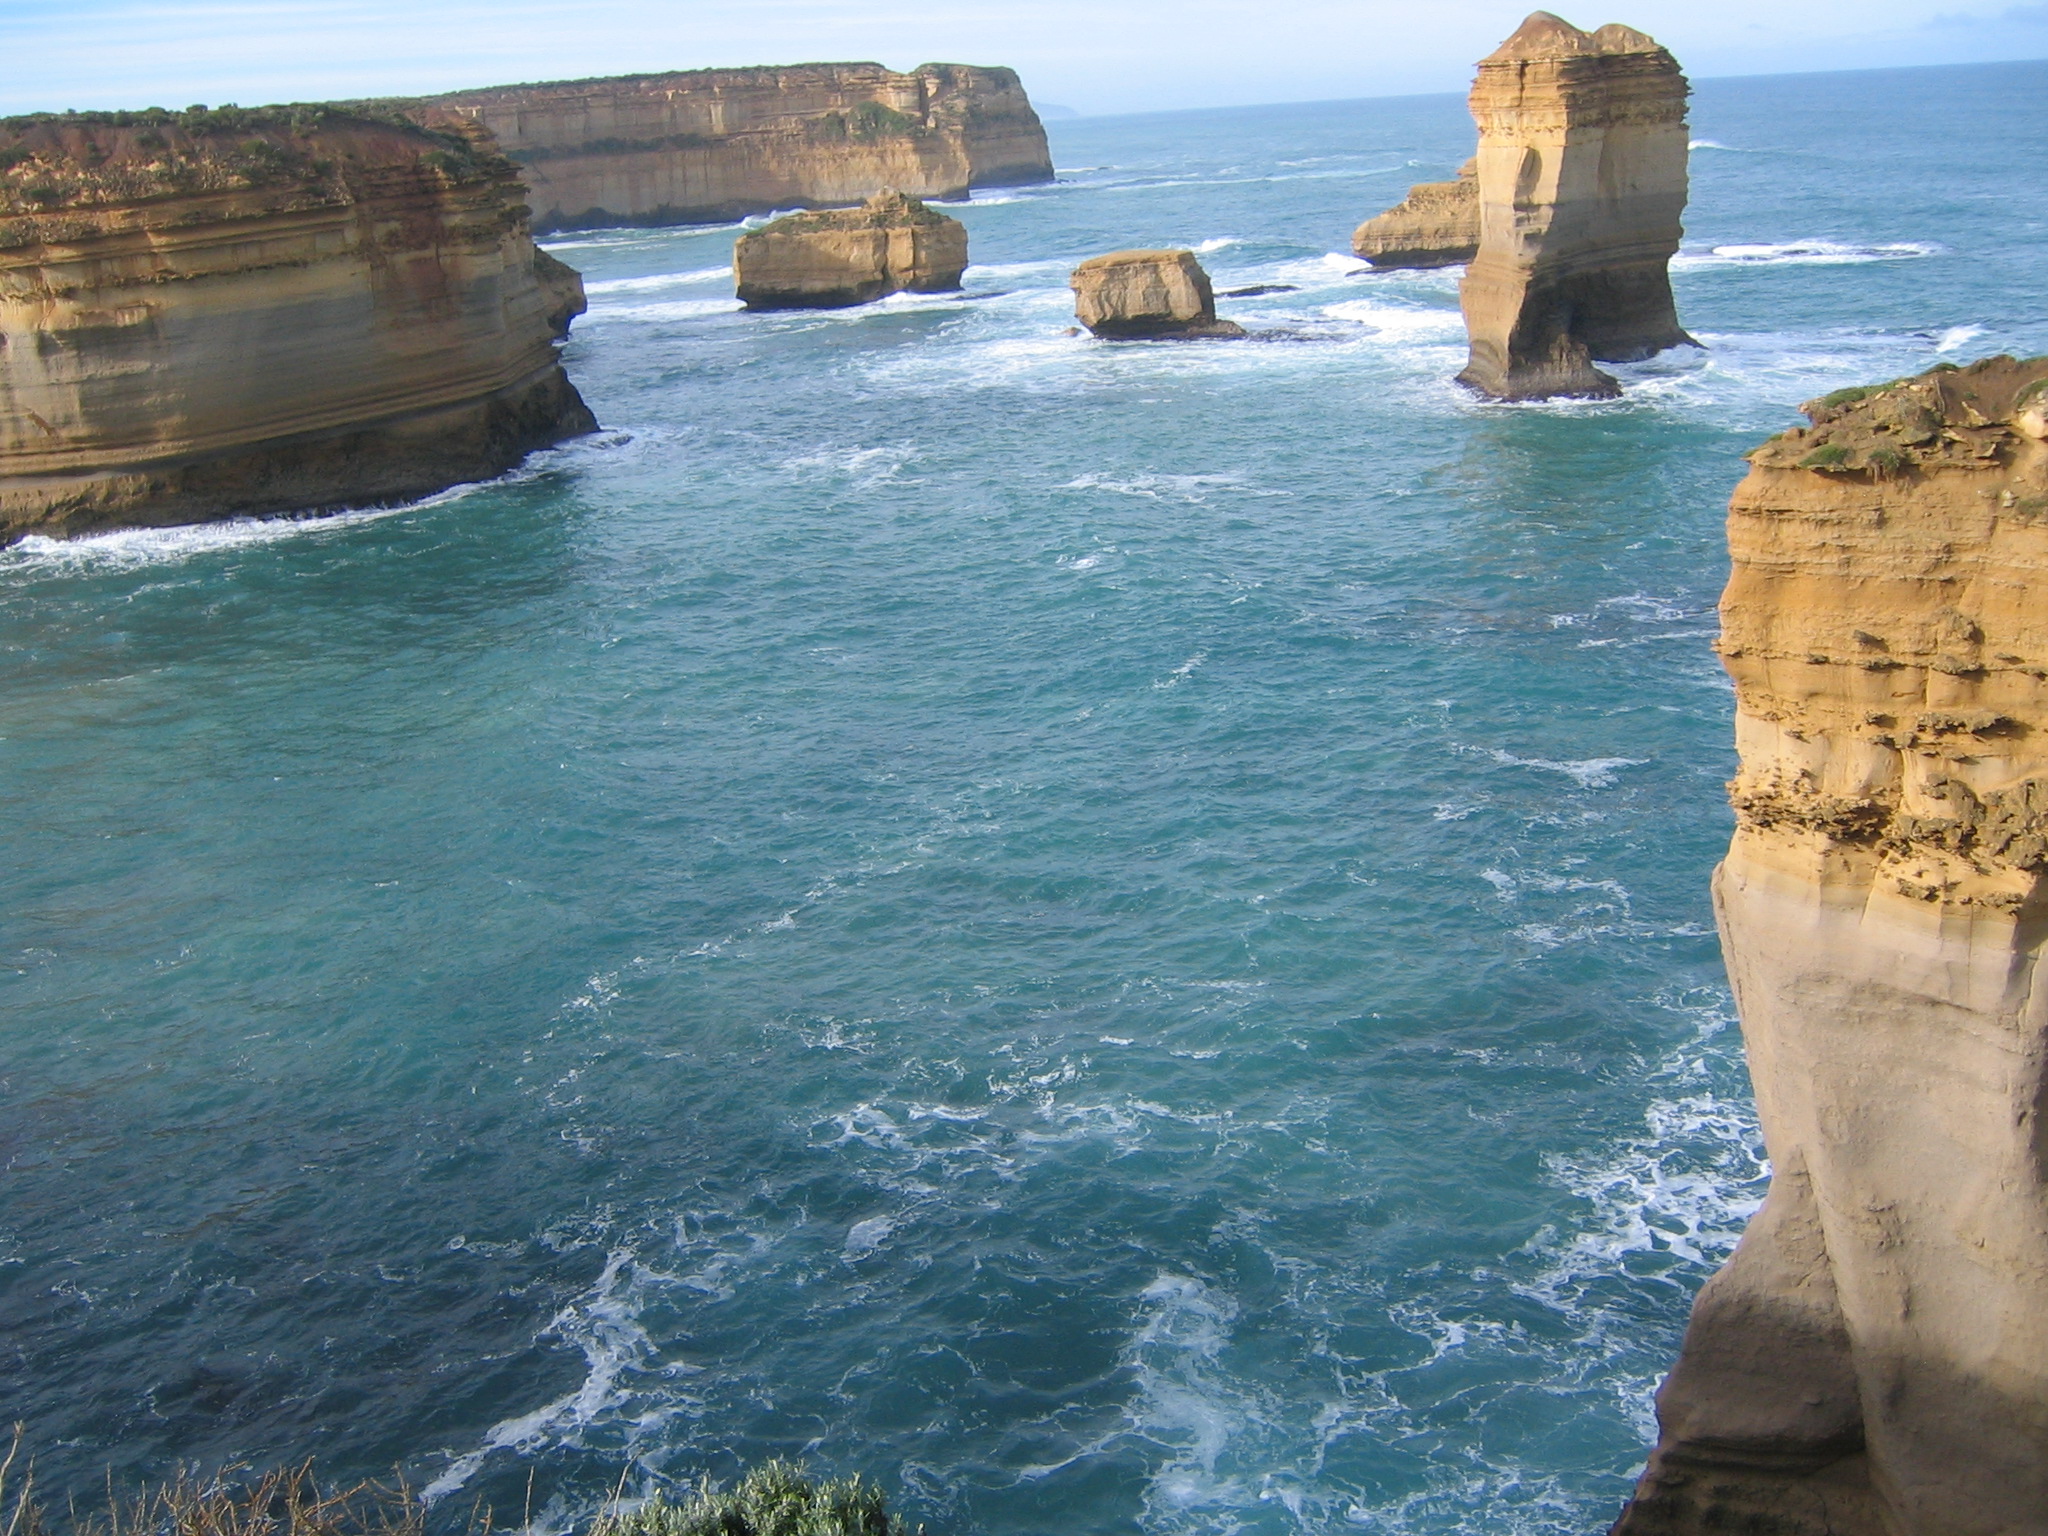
{"x":1437,"y":225}
{"x":1135,"y":294}
{"x":1582,"y":181}
{"x":829,"y":260}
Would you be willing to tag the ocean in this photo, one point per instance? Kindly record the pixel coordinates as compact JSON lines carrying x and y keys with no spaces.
{"x":1115,"y":937}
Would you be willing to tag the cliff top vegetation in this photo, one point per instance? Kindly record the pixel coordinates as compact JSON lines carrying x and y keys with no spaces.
{"x":59,"y":160}
{"x":1945,"y":415}
{"x":749,"y":72}
{"x":885,"y":210}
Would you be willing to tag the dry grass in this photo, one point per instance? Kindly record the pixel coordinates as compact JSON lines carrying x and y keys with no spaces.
{"x":289,"y":1501}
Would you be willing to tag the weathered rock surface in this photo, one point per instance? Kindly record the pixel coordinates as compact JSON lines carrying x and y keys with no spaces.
{"x":1131,"y":294}
{"x":1437,"y":225}
{"x":563,"y":285}
{"x":707,"y":145}
{"x":1874,"y":1359}
{"x":890,"y":244}
{"x":203,"y":315}
{"x":1582,"y":181}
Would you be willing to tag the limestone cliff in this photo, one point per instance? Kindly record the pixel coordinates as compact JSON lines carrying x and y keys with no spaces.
{"x":1582,"y":180}
{"x":890,"y":244}
{"x":1874,"y":1359}
{"x":205,"y":314}
{"x":1128,"y":295}
{"x":706,"y":145}
{"x":1437,"y":225}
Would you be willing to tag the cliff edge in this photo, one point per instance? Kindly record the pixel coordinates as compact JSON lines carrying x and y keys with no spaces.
{"x":1873,"y":1361}
{"x":1582,"y":181}
{"x":208,"y":314}
{"x":708,"y":145}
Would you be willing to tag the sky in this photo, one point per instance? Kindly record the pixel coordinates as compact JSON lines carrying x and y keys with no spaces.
{"x":1094,"y":56}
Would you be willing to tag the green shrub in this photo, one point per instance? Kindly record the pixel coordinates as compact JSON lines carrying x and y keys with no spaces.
{"x":772,"y":1500}
{"x":1849,"y":396}
{"x":1830,"y":456}
{"x":1887,"y":461}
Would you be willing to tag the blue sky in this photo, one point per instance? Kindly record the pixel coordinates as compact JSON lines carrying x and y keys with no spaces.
{"x":1093,"y":55}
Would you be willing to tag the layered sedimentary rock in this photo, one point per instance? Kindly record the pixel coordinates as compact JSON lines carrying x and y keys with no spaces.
{"x":1582,"y":181}
{"x":890,"y":244}
{"x":563,"y":285}
{"x":1131,"y":294}
{"x":713,"y":144}
{"x":205,"y":314}
{"x":1436,"y":225}
{"x":1873,"y":1361}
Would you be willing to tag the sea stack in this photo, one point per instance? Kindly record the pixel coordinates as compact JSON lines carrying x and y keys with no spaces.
{"x":1873,"y":1361}
{"x":890,"y":244}
{"x":1437,"y":225}
{"x":205,"y":314}
{"x":1129,"y":295}
{"x":1582,"y":181}
{"x":705,"y":145}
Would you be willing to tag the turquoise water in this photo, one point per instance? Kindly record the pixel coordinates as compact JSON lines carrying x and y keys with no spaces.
{"x":1116,"y":937}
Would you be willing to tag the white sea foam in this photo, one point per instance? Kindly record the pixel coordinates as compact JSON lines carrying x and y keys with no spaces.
{"x":1194,"y":489}
{"x":1801,"y":253}
{"x":657,"y":281}
{"x":1589,"y":773}
{"x":655,"y":314}
{"x":604,"y":1323}
{"x":1956,"y":337}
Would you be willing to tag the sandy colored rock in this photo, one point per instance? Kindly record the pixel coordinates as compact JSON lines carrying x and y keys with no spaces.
{"x":1582,"y":182}
{"x":890,"y":244}
{"x":1873,"y":1361}
{"x":709,"y":145}
{"x":563,"y":285}
{"x":1132,"y":294}
{"x":1437,"y":225}
{"x":204,"y":315}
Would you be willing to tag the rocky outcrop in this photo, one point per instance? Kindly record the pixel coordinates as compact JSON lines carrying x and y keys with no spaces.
{"x":890,"y":244}
{"x":707,"y":145}
{"x":1437,"y":225}
{"x":1873,"y":1361}
{"x":1582,"y":180}
{"x":205,"y":314}
{"x":1131,"y":294}
{"x":563,"y":285}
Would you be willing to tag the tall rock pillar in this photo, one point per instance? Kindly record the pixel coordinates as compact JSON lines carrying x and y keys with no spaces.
{"x":1582,"y":179}
{"x":1873,"y":1361}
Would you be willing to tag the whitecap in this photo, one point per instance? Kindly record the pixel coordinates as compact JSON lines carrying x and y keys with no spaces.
{"x":1590,"y":772}
{"x":1801,"y":253}
{"x":1956,"y":337}
{"x":656,"y":281}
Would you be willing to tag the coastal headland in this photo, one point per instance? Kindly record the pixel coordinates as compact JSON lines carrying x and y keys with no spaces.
{"x":207,"y":314}
{"x":700,"y":146}
{"x":1874,"y":1359}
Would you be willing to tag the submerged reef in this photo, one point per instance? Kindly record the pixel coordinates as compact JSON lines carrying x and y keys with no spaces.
{"x":1582,"y":181}
{"x":1873,"y":1361}
{"x":205,"y":314}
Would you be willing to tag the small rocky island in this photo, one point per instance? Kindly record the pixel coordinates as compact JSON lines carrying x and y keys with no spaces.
{"x":1436,"y":225}
{"x":1582,"y":181}
{"x":1129,"y":295}
{"x":1874,"y":1358}
{"x":832,"y":259}
{"x":257,"y":311}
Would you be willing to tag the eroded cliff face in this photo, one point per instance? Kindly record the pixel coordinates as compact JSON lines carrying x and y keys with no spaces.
{"x":203,"y":315}
{"x":1582,"y":181}
{"x":1874,"y":1359}
{"x":1436,"y":225}
{"x":705,"y":145}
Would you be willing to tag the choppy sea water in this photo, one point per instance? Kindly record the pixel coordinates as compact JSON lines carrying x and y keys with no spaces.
{"x":1114,"y":936}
